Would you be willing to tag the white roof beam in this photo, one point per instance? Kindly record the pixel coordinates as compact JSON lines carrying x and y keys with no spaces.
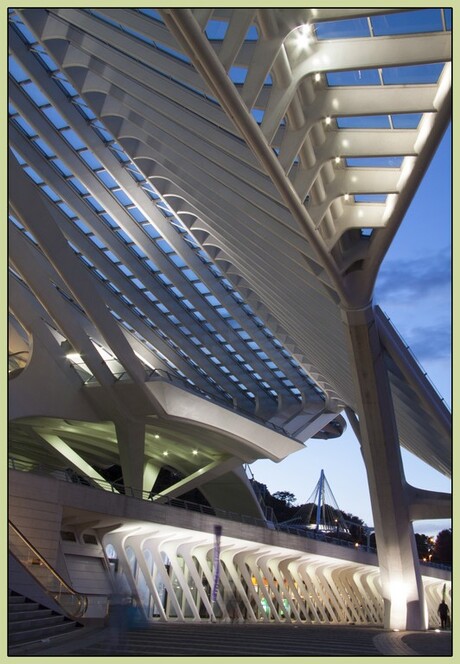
{"x":355,"y":54}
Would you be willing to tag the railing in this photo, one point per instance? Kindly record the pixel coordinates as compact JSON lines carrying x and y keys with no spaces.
{"x":413,"y":356}
{"x":161,"y":374}
{"x":68,"y":475}
{"x":72,"y":603}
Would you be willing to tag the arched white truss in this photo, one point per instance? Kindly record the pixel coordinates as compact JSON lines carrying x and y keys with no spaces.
{"x":170,"y":572}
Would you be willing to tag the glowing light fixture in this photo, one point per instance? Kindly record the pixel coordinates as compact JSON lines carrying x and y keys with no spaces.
{"x":74,"y":357}
{"x":195,"y":452}
{"x":165,"y":453}
{"x":156,"y":436}
{"x":337,"y":160}
{"x":303,"y":34}
{"x":328,"y":120}
{"x":317,"y":77}
{"x":347,"y":197}
{"x":305,"y":30}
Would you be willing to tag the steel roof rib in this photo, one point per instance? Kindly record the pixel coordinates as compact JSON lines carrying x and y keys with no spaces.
{"x":82,"y":128}
{"x":242,"y":146}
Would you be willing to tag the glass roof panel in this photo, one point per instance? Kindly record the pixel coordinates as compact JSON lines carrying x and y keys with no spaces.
{"x":448,"y":18}
{"x":364,"y":122}
{"x":375,"y":162}
{"x":252,"y":34}
{"x":16,"y":71}
{"x":35,"y":94}
{"x":344,"y":29}
{"x":216,"y":29}
{"x":357,"y":77}
{"x":421,"y":74}
{"x":406,"y":120}
{"x":370,"y":198}
{"x":418,"y":21}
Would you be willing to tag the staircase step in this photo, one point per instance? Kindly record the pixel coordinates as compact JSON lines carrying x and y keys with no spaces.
{"x":18,"y":616}
{"x":41,"y":633}
{"x":27,"y":625}
{"x":25,"y":606}
{"x":16,"y":599}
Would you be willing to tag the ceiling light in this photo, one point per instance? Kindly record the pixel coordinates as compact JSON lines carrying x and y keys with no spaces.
{"x":328,"y":120}
{"x":303,"y":35}
{"x":165,"y":454}
{"x":346,"y":197}
{"x":305,"y":30}
{"x":337,"y":160}
{"x":74,"y":357}
{"x":156,"y":436}
{"x":317,"y":77}
{"x":195,"y":451}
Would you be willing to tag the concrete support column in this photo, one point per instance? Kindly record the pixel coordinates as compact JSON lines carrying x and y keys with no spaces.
{"x":131,"y":441}
{"x":402,"y":589}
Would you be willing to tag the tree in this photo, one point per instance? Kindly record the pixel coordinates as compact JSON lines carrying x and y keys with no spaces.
{"x":286,"y":497}
{"x":424,"y":546}
{"x":443,"y":547}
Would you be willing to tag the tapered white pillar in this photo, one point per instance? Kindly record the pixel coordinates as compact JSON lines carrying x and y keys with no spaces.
{"x":404,"y":603}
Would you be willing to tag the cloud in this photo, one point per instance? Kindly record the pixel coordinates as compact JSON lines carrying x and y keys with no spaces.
{"x":416,"y":294}
{"x":415,"y":278}
{"x":432,"y":342}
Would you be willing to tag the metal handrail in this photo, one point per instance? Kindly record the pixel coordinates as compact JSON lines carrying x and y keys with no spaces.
{"x":73,"y":603}
{"x":414,"y":357}
{"x":163,"y":374}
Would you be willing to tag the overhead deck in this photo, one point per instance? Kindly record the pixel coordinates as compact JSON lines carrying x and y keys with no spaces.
{"x":200,"y":202}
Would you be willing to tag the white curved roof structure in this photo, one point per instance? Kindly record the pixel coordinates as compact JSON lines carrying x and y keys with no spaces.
{"x":218,"y":184}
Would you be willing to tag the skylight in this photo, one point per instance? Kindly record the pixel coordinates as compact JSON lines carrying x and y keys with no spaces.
{"x":404,"y":23}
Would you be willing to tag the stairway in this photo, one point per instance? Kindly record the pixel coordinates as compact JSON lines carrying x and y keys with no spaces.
{"x":31,"y":624}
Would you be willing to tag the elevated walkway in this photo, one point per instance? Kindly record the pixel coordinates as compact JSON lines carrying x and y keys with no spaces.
{"x":166,"y":554}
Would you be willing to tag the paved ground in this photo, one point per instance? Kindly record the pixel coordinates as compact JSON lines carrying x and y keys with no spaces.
{"x":259,"y":640}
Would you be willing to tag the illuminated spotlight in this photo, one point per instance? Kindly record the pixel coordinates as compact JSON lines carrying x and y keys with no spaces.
{"x":156,"y":436}
{"x":74,"y":357}
{"x":195,"y":452}
{"x":305,"y":30}
{"x":328,"y":120}
{"x":303,"y":34}
{"x":165,"y":453}
{"x":347,"y":197}
{"x":356,"y":544}
{"x":437,"y":630}
{"x":317,"y":77}
{"x":396,"y":629}
{"x":337,"y":160}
